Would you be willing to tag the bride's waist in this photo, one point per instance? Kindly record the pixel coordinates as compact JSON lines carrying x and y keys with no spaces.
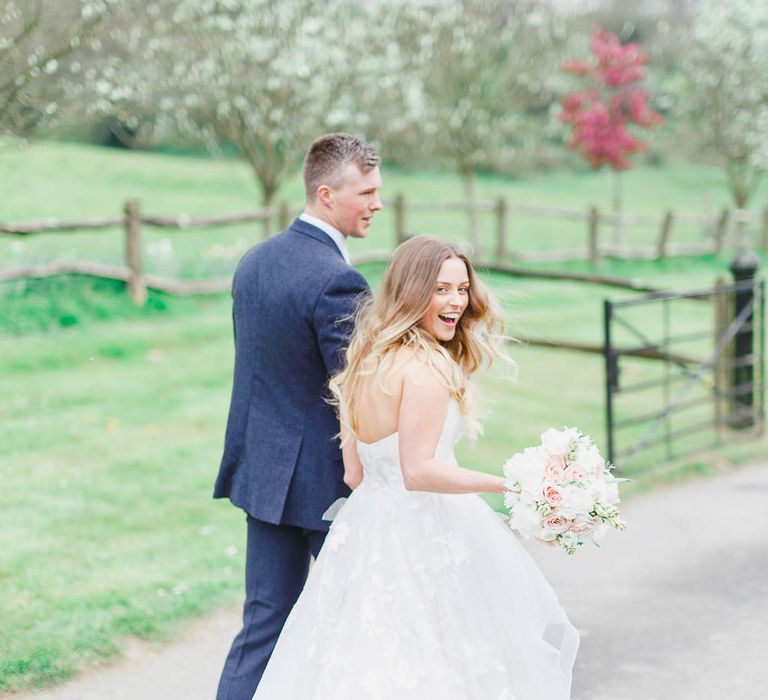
{"x":381,"y":475}
{"x":384,"y":475}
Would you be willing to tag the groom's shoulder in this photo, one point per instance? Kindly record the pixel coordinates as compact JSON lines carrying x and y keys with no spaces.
{"x":344,"y":277}
{"x":264,"y":255}
{"x":304,"y":260}
{"x":264,"y":249}
{"x":294,"y":243}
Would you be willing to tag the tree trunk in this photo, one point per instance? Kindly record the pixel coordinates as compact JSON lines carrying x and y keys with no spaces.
{"x":618,"y":207}
{"x":740,"y":193}
{"x":268,"y":181}
{"x":469,"y":194}
{"x":268,"y":191}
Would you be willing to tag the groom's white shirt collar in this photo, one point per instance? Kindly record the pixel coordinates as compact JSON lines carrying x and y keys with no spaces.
{"x":333,"y":233}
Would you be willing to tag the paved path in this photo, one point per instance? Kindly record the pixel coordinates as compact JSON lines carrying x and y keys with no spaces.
{"x":676,"y":608}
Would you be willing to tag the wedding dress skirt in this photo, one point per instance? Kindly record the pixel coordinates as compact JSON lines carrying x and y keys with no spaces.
{"x":418,"y":596}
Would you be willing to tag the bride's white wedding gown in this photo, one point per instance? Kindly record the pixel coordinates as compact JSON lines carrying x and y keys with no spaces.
{"x":418,"y":596}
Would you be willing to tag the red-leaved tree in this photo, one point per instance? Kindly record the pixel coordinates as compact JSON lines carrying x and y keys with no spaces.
{"x":602,"y":114}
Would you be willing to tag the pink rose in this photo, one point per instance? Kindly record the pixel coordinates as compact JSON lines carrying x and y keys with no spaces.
{"x":574,"y":473}
{"x":556,"y":523}
{"x":554,"y":469}
{"x":552,"y":495}
{"x":582,"y":527}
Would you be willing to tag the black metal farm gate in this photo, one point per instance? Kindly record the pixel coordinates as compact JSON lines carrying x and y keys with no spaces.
{"x":685,"y":371}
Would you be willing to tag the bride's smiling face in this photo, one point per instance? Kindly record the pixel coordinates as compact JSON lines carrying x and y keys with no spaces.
{"x":449,"y":300}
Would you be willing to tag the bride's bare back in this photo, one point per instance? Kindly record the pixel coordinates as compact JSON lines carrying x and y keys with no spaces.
{"x":413,"y":402}
{"x":379,"y":406}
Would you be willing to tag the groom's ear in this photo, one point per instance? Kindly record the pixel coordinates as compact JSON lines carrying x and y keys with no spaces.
{"x":324,"y":195}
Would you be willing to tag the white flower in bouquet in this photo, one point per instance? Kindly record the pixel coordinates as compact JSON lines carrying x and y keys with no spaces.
{"x":526,"y":521}
{"x":529,"y":466}
{"x":594,"y":462}
{"x":558,"y":442}
{"x":576,"y":501}
{"x":611,"y":489}
{"x":562,"y":491}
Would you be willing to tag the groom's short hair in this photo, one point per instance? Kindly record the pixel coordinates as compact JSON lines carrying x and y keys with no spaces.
{"x":328,"y":157}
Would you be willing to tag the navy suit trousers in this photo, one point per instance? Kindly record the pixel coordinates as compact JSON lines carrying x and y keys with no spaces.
{"x":277,"y":563}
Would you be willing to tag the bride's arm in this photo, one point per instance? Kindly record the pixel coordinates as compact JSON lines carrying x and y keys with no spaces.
{"x":353,"y":468}
{"x":423,"y":408}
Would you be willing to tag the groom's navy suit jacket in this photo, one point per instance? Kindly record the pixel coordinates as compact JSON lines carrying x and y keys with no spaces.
{"x":292,"y":300}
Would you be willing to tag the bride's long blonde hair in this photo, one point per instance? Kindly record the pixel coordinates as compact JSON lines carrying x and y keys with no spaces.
{"x":390,"y":321}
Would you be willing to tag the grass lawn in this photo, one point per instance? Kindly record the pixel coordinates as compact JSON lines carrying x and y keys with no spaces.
{"x":68,"y":181}
{"x":111,"y":435}
{"x":110,"y":443}
{"x":112,"y":417}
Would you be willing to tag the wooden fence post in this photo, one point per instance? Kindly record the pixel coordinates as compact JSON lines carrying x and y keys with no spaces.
{"x":593,"y":218}
{"x":137,"y":287}
{"x":473,"y":228}
{"x":399,"y":219}
{"x":744,"y":268}
{"x":720,"y":230}
{"x":720,"y":375}
{"x":284,"y":215}
{"x":502,"y":227}
{"x":666,"y":228}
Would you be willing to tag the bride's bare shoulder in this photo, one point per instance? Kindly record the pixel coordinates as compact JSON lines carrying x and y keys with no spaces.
{"x":420,"y":367}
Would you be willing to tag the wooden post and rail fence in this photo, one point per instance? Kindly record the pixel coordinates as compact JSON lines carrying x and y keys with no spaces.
{"x":500,"y":256}
{"x":716,"y":225}
{"x":133,"y":222}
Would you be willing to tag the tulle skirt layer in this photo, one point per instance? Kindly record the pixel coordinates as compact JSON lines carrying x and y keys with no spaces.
{"x":417,"y":596}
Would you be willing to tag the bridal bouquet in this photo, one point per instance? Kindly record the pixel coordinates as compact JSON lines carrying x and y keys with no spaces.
{"x":562,"y":491}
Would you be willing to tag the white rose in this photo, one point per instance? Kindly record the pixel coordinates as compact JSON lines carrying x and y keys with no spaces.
{"x":526,"y":521}
{"x":526,"y":467}
{"x":513,"y":466}
{"x":598,"y":490}
{"x":593,"y":462}
{"x":557,"y":442}
{"x":575,"y":501}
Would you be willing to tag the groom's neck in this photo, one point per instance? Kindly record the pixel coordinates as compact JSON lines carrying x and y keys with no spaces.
{"x":313,"y":210}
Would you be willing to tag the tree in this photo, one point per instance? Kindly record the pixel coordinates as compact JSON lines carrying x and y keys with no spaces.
{"x":602,"y":114}
{"x":725,"y":63}
{"x":472,"y":91}
{"x":36,"y":37}
{"x":264,"y":76}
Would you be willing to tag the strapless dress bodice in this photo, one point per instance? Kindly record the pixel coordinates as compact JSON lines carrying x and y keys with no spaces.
{"x":381,"y":459}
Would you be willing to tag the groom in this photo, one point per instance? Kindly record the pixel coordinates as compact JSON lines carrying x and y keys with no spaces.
{"x":293,"y":296}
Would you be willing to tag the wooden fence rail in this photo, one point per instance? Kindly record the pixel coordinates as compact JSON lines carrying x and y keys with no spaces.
{"x":717,"y":225}
{"x":54,"y":225}
{"x":133,"y":222}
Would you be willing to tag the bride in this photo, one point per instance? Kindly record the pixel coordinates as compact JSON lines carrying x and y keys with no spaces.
{"x":420,"y":590}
